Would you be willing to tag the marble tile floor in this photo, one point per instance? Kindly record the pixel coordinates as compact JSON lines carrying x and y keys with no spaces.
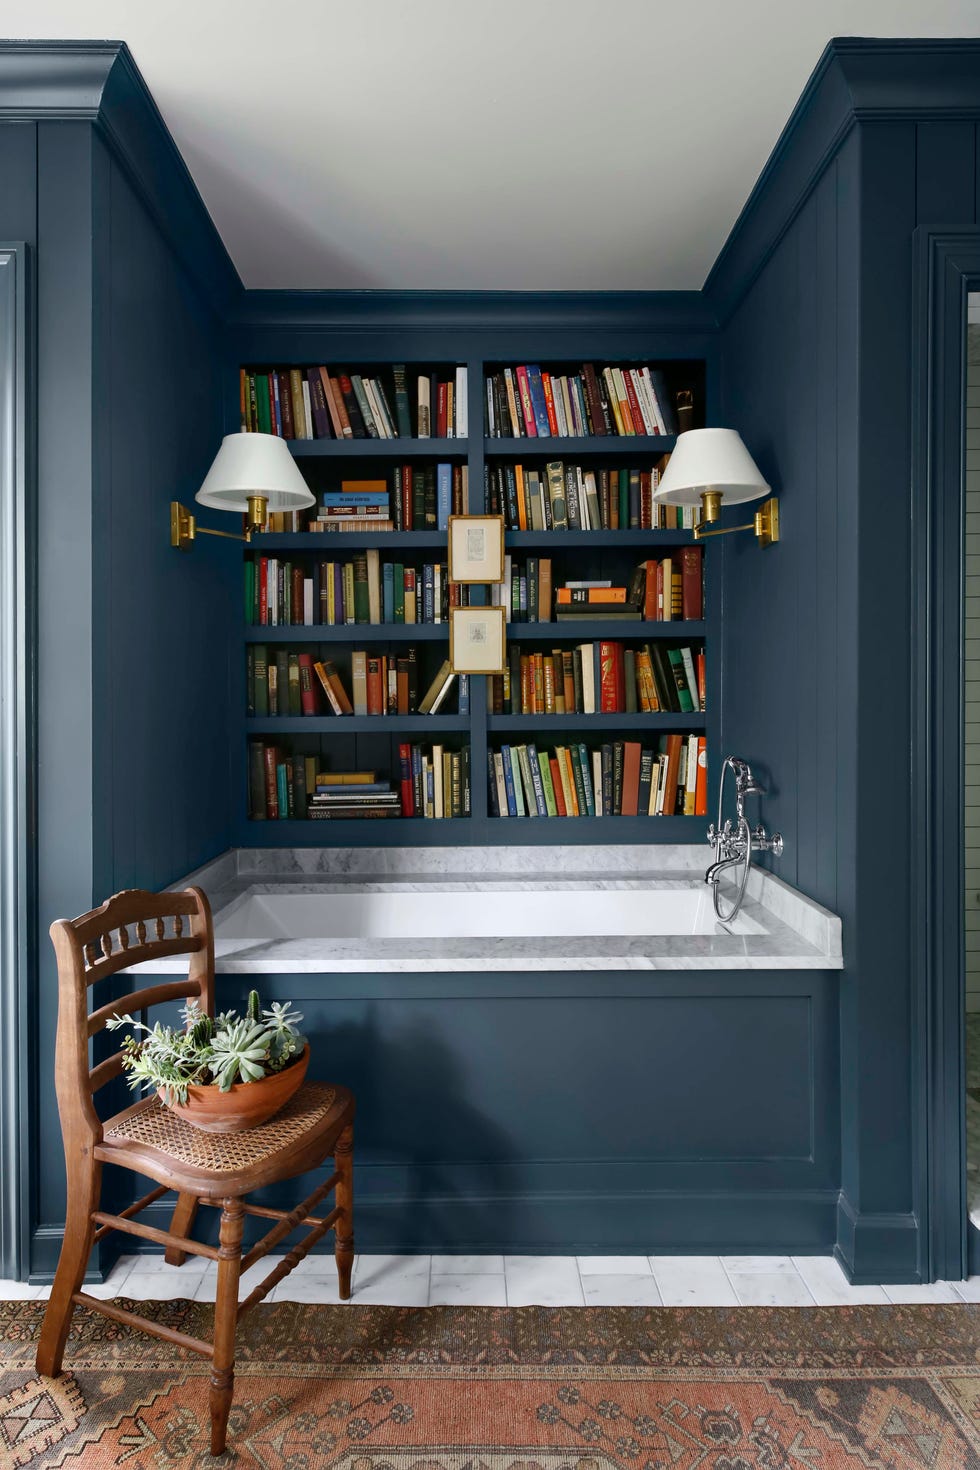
{"x":517,"y":1281}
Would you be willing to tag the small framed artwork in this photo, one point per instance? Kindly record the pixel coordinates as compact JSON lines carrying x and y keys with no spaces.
{"x":476,"y":548}
{"x":477,"y":640}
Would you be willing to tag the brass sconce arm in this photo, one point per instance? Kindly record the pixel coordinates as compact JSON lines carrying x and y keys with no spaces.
{"x":765,"y":523}
{"x":184,"y":529}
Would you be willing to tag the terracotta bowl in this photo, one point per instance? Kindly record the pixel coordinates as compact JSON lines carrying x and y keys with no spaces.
{"x":245,"y":1104}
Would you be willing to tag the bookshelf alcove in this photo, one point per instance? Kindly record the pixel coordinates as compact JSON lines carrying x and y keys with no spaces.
{"x":372,"y":741}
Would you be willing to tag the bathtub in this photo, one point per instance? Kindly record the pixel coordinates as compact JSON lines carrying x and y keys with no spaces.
{"x":525,"y":912}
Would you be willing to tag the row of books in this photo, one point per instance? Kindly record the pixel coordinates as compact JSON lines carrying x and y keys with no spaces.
{"x":433,"y":782}
{"x":322,"y":403}
{"x":301,"y":684}
{"x":573,"y":497}
{"x":600,"y":678}
{"x":420,"y":498}
{"x":620,"y":778}
{"x":661,"y":589}
{"x":362,"y":589}
{"x":526,"y":401}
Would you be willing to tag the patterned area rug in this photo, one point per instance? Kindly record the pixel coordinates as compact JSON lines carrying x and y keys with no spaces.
{"x":454,"y":1388}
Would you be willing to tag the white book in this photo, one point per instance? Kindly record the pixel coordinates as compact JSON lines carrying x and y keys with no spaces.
{"x":639,"y":388}
{"x":308,"y":602}
{"x":585,"y":515}
{"x":692,"y":678}
{"x":661,"y":786}
{"x":425,"y":411}
{"x":307,"y":411}
{"x":272,"y":592}
{"x":380,"y":420}
{"x":597,"y":781}
{"x":588,"y":679}
{"x":654,"y":401}
{"x":437,"y":792}
{"x":498,"y":774}
{"x":460,"y":412}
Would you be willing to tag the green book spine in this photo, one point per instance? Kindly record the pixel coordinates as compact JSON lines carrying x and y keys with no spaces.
{"x":680,"y":679}
{"x":256,"y":781}
{"x":295,"y":693}
{"x":364,"y":406}
{"x":583,"y":805}
{"x":402,"y":412}
{"x":583,"y":761}
{"x":549,"y":790}
{"x":398,"y":576}
{"x":282,"y":789}
{"x":262,"y":402}
{"x":362,"y":600}
{"x":260,"y":681}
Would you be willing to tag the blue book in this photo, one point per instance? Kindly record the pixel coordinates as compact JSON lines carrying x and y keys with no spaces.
{"x":340,"y":499}
{"x":664,"y":401}
{"x":494,"y":802}
{"x":444,"y":495}
{"x":372,"y":786}
{"x":538,"y":403}
{"x":282,"y":789}
{"x":388,"y":593}
{"x":464,"y":694}
{"x":536,"y":781}
{"x":509,"y":781}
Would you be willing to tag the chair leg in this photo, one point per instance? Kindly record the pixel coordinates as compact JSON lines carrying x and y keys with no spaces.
{"x":83,"y":1199}
{"x":181,"y":1223}
{"x":344,"y":1194}
{"x":225,"y":1320}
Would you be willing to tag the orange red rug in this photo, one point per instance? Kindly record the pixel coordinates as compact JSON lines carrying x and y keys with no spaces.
{"x":454,"y":1388}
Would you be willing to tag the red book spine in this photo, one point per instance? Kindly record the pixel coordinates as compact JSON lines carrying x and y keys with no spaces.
{"x":634,"y":403}
{"x":442,"y":411}
{"x":556,"y":783}
{"x":650,"y":592}
{"x":263,"y":590}
{"x":286,"y":406}
{"x":527,"y":408}
{"x":549,"y":403}
{"x":407,"y":784}
{"x":272,"y":401}
{"x":608,"y":691}
{"x":296,"y":596}
{"x":646,"y":501}
{"x":271,"y":784}
{"x":307,"y":689}
{"x":692,"y":591}
{"x":662,"y":611}
{"x":375,"y":687}
{"x":699,"y":666}
{"x":620,"y":666}
{"x":701,"y":785}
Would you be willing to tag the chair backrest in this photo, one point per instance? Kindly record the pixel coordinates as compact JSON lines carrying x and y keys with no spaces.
{"x":129,"y":929}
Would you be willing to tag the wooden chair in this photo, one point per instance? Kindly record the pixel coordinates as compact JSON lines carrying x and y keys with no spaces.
{"x":212,"y":1169}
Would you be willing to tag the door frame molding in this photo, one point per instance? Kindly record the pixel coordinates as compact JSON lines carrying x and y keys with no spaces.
{"x":18,"y":760}
{"x":947,"y":267}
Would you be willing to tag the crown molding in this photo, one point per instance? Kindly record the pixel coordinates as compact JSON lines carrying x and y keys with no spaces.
{"x":856,"y":82}
{"x":99,"y":82}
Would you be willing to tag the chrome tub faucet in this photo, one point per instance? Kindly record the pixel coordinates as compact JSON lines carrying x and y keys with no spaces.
{"x":733,"y":846}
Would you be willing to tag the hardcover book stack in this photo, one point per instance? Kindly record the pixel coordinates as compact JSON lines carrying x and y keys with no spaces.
{"x":324,"y":403}
{"x":359,"y":505}
{"x":362,"y":589}
{"x":600,"y":678}
{"x":620,"y":778}
{"x":528,"y":402}
{"x":573,"y":497}
{"x":352,"y":795}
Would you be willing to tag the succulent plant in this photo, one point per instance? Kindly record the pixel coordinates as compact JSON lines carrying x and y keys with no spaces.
{"x":228,"y":1049}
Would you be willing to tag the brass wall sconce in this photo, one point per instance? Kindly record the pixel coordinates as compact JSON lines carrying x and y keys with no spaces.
{"x":252,"y":474}
{"x":711,"y":468}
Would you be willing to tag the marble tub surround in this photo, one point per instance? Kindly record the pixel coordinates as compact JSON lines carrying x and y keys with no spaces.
{"x":790,"y":931}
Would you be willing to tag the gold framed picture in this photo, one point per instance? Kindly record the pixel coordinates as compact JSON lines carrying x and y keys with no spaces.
{"x":476,"y":548}
{"x":477,"y":640}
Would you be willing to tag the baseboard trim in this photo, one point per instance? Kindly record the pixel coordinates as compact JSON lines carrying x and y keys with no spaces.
{"x":799,"y":1222}
{"x":877,"y":1248}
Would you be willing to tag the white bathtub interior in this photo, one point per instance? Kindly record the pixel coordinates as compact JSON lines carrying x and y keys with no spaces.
{"x":504,"y":912}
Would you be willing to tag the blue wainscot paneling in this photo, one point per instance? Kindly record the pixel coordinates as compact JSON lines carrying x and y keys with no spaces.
{"x":585,"y":1111}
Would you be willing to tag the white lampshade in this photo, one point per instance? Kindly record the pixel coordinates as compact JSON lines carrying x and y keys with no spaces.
{"x":710,"y":459}
{"x":254,"y":464}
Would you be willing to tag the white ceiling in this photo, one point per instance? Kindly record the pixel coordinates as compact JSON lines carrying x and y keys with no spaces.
{"x":478,"y":144}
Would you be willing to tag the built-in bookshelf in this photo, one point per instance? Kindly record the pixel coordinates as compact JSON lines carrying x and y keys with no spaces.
{"x":611,"y":474}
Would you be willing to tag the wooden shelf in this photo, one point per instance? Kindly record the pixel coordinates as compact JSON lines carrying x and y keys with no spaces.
{"x":590,"y":629}
{"x":341,"y":541}
{"x":555,"y":725}
{"x":590,"y":540}
{"x":395,"y":449}
{"x":272,"y":725}
{"x":351,"y":633}
{"x":597,"y":445}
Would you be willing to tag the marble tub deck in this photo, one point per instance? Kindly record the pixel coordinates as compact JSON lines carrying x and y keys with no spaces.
{"x":796,"y":932}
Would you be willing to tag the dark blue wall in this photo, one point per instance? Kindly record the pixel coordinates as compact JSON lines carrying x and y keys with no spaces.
{"x":815,"y":296}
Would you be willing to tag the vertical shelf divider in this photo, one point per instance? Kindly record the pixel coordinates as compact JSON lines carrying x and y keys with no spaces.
{"x":478,"y":682}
